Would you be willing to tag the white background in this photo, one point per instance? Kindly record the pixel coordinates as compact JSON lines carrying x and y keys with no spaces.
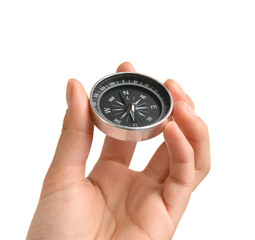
{"x":207,"y":46}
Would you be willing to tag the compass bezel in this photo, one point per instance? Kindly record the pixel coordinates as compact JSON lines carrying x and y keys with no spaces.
{"x":123,"y":132}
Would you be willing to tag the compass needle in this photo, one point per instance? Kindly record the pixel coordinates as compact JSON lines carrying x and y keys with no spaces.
{"x":132,"y":115}
{"x":124,"y":97}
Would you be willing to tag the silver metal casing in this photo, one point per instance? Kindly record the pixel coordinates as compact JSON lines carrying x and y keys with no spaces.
{"x":126,"y":133}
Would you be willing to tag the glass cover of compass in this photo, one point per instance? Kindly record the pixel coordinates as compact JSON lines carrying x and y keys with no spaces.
{"x":130,"y":106}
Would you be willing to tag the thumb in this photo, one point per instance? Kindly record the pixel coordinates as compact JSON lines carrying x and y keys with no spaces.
{"x":77,"y":132}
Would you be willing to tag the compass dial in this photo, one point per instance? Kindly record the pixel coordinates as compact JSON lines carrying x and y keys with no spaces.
{"x":131,"y":106}
{"x":130,"y":101}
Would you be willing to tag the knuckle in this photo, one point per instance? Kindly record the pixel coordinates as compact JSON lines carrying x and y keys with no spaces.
{"x":190,"y":101}
{"x":70,"y":128}
{"x":187,"y":156}
{"x":184,"y":182}
{"x":190,"y":152}
{"x":205,"y":170}
{"x":204,"y":128}
{"x":200,"y":133}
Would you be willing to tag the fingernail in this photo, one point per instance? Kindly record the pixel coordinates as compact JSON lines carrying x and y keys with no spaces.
{"x":190,"y":109}
{"x":69,"y":92}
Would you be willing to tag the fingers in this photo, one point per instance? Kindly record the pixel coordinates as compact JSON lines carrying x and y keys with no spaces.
{"x":116,"y":150}
{"x":189,"y":101}
{"x":179,"y":183}
{"x":196,"y":132}
{"x":125,"y":67}
{"x":77,"y":133}
{"x":178,"y":93}
{"x":158,"y":167}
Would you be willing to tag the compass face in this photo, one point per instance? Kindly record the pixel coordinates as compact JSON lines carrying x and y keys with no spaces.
{"x":131,"y":101}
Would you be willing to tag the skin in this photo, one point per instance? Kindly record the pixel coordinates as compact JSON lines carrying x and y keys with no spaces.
{"x":114,"y":202}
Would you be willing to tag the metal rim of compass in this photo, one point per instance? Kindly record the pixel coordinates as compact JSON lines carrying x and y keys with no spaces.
{"x":127,"y":133}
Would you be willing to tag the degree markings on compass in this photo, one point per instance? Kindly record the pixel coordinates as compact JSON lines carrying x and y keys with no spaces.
{"x":118,"y":109}
{"x":103,"y":88}
{"x":112,"y":84}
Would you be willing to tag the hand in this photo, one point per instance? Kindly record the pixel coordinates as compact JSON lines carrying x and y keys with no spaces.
{"x":114,"y":202}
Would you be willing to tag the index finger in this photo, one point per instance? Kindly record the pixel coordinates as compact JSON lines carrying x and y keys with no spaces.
{"x":117,"y":150}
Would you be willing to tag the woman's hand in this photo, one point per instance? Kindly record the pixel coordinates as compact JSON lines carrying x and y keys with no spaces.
{"x":114,"y":202}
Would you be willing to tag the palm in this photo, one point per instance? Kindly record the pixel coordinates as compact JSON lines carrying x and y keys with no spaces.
{"x":113,"y":203}
{"x":133,"y":204}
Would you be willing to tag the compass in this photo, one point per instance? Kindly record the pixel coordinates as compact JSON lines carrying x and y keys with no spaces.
{"x":130,"y":106}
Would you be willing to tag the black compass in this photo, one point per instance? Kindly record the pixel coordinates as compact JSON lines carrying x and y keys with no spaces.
{"x":130,"y":106}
